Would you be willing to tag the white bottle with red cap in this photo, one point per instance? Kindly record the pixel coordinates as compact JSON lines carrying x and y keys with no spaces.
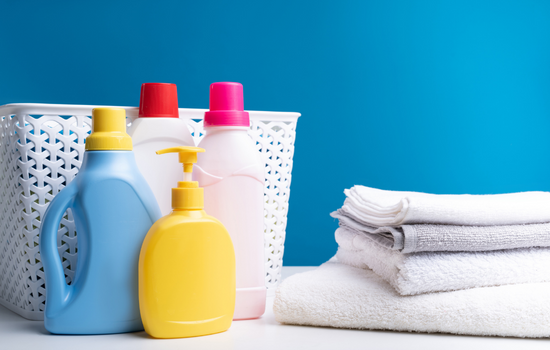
{"x":159,"y":127}
{"x":232,"y":174}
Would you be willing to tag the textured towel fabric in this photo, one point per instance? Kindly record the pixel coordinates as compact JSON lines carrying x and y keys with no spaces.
{"x":418,"y":273}
{"x":341,"y":296}
{"x":391,"y":208}
{"x":424,"y":238}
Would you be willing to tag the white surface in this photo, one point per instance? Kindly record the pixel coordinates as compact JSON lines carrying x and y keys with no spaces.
{"x":231,"y":172}
{"x":265,"y":333}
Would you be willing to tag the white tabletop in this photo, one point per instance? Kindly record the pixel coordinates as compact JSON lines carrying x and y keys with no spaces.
{"x":264,"y":333}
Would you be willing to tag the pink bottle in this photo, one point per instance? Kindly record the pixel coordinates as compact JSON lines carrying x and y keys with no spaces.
{"x":232,"y":175}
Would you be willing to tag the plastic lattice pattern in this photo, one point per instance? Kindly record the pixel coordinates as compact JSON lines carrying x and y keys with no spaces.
{"x":40,"y":153}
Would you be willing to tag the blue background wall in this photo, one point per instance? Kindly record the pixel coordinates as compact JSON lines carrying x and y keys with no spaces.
{"x":434,"y":96}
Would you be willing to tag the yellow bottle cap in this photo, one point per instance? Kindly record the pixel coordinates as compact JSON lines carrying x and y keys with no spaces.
{"x":108,"y":131}
{"x":188,"y":195}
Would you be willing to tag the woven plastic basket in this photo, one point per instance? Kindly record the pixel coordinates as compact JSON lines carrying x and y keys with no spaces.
{"x":41,"y":150}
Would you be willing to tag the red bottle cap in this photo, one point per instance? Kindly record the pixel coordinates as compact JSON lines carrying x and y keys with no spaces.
{"x":158,"y":100}
{"x":226,"y":106}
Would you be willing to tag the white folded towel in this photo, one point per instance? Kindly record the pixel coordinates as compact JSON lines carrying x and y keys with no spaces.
{"x":423,"y":238}
{"x":341,"y":296}
{"x":392,"y":208}
{"x":425,"y":272}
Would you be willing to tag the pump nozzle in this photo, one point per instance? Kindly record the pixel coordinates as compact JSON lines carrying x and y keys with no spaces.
{"x":188,"y":195}
{"x":187,"y":156}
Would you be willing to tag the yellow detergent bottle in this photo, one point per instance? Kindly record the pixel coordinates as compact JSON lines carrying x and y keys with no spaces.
{"x":187,"y":265}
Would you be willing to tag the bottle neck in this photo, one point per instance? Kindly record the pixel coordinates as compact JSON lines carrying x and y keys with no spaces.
{"x":209,"y":130}
{"x":180,"y":210}
{"x":108,"y":155}
{"x":191,"y":214}
{"x":188,"y":196}
{"x":121,"y":160}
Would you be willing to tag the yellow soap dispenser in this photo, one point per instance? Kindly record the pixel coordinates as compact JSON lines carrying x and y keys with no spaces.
{"x":187,"y":265}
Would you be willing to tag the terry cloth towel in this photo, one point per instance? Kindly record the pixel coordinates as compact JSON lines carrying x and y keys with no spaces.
{"x":341,"y":296}
{"x":424,"y":238}
{"x":392,"y":208}
{"x":418,"y":273}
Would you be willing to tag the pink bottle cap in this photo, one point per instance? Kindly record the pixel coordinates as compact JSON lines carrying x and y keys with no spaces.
{"x":226,"y":106}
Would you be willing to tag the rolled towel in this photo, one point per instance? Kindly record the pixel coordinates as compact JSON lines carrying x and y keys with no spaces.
{"x":424,"y":238}
{"x":426,"y":272}
{"x":393,"y":208}
{"x":341,"y":296}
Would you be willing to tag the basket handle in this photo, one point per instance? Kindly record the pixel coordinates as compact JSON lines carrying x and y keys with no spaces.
{"x":58,"y":292}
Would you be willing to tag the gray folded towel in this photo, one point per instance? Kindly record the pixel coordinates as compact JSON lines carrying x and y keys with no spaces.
{"x":423,"y":238}
{"x":427,"y":272}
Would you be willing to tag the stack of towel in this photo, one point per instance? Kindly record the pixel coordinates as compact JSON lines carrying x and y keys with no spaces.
{"x":422,"y":243}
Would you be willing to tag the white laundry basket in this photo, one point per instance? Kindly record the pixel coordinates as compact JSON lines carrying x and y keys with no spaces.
{"x":41,"y":150}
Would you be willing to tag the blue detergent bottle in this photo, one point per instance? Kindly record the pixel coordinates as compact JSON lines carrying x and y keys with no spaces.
{"x":113,"y":208}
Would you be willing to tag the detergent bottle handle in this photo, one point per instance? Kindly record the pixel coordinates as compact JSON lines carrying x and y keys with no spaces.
{"x":58,"y":292}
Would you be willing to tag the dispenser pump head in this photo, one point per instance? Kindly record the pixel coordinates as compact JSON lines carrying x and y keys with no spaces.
{"x":188,"y":195}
